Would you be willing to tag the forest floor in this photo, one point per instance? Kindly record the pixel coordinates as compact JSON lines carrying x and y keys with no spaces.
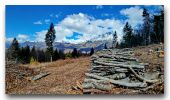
{"x":65,"y":75}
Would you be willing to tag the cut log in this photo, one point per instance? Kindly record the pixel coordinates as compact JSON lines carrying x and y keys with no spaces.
{"x":116,"y":82}
{"x":97,"y":84}
{"x":119,"y":65}
{"x":39,"y":76}
{"x":126,"y":58}
{"x":117,"y":76}
{"x":141,"y":78}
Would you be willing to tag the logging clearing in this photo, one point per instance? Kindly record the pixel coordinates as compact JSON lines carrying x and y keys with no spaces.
{"x":109,"y":71}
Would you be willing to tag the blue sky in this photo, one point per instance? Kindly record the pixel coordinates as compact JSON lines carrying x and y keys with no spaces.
{"x":72,"y":23}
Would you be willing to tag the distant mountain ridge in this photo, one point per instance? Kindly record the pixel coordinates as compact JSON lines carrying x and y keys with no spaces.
{"x":68,"y":47}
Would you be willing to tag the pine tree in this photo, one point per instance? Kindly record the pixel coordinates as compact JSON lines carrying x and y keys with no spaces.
{"x":146,"y":27}
{"x":74,"y":53}
{"x":49,"y":39}
{"x":114,"y":40}
{"x":41,"y":56}
{"x":56,"y":55}
{"x":61,"y":54}
{"x":27,"y":54}
{"x":128,"y":35}
{"x":33,"y":53}
{"x":14,"y":50}
{"x":92,"y":51}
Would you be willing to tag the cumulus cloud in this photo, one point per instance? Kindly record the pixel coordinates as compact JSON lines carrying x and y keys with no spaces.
{"x":92,"y":28}
{"x":134,"y":15}
{"x":40,"y":36}
{"x":38,"y":22}
{"x":82,"y":23}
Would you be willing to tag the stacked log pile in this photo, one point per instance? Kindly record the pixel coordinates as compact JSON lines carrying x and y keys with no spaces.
{"x":115,"y":68}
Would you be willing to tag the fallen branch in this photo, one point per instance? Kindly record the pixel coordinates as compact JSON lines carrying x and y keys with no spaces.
{"x":39,"y":76}
{"x":141,"y":78}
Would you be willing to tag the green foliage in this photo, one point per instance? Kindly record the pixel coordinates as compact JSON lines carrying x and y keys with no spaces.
{"x":146,"y":27}
{"x":61,"y":54}
{"x":49,"y":39}
{"x":114,"y":40}
{"x":68,"y":55}
{"x":33,"y":61}
{"x":128,"y":35}
{"x":13,"y":52}
{"x":75,"y":53}
{"x":56,"y":55}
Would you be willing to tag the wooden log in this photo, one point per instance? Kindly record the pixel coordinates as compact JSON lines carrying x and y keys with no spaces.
{"x":117,"y":76}
{"x":97,"y":84}
{"x":116,"y":82}
{"x":120,"y":65}
{"x":39,"y":76}
{"x":126,"y":58}
{"x":141,"y":78}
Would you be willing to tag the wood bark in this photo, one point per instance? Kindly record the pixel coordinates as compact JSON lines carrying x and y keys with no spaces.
{"x":116,"y":82}
{"x":120,"y":65}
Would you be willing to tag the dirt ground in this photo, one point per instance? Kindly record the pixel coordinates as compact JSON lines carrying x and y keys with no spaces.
{"x":63,"y":75}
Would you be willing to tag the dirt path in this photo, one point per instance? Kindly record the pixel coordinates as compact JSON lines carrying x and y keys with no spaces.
{"x":64,"y":75}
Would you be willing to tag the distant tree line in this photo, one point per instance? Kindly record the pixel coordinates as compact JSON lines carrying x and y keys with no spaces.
{"x":26,"y":54}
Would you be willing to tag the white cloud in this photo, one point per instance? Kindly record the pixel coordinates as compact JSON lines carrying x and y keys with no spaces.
{"x":134,"y":15}
{"x":40,"y":36}
{"x":83,"y":24}
{"x":22,"y":37}
{"x":99,"y":7}
{"x":47,"y":21}
{"x":38,"y":22}
{"x":9,"y":39}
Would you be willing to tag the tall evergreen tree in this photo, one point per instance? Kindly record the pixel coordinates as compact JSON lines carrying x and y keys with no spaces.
{"x":14,"y":50}
{"x":61,"y":54}
{"x":128,"y":35}
{"x":27,"y":54}
{"x":92,"y":51}
{"x":75,"y":53}
{"x":114,"y":40}
{"x":146,"y":27}
{"x":34,"y":53}
{"x":41,"y":57}
{"x":49,"y":39}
